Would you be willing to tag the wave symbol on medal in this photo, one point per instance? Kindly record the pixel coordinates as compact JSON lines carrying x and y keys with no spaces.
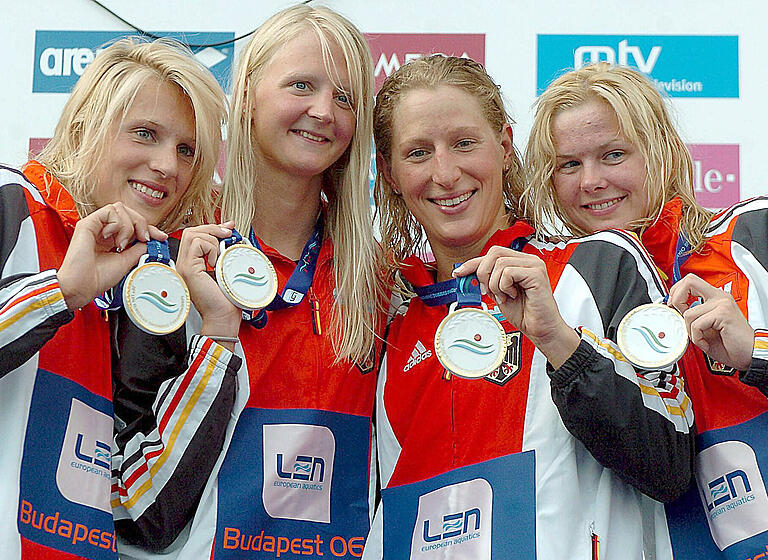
{"x":250,"y":278}
{"x":473,"y":346}
{"x":653,"y":339}
{"x":159,"y":301}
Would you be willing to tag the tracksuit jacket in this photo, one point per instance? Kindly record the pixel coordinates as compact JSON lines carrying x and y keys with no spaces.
{"x":56,"y":397}
{"x":531,"y":462}
{"x":724,"y":515}
{"x":295,"y":477}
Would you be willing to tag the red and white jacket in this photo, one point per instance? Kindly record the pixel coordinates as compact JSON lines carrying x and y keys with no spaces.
{"x":530,"y":461}
{"x":725,"y":514}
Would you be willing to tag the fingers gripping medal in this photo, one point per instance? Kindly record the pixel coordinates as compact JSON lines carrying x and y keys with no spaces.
{"x":652,"y":336}
{"x":154,"y":295}
{"x":470,"y":342}
{"x":245,"y":274}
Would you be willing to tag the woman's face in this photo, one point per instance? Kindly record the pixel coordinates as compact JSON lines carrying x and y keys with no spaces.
{"x":447,"y":163}
{"x":302,"y":122}
{"x":599,"y":175}
{"x":149,"y":153}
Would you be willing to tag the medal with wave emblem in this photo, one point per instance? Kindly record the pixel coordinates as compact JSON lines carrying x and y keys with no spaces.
{"x":470,"y":342}
{"x":156,"y":298}
{"x":246,"y":276}
{"x":652,"y":336}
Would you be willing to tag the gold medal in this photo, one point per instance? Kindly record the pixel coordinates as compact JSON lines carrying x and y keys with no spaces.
{"x":470,"y":342}
{"x":156,"y":298}
{"x":652,"y":336}
{"x":246,"y":276}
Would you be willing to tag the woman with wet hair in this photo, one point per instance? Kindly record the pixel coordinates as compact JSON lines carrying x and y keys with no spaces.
{"x":509,"y":425}
{"x":604,"y":153}
{"x":132,"y":155}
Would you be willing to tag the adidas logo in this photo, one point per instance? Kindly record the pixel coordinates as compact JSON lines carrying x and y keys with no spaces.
{"x":418,"y":355}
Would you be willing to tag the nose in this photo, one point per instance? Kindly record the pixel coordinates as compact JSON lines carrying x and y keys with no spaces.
{"x":445,"y":172}
{"x":165,"y":160}
{"x":591,"y":178}
{"x":321,"y":107}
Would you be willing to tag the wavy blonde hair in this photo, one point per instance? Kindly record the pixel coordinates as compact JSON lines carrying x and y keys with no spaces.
{"x":643,"y":120}
{"x":357,"y":261}
{"x":401,"y":234}
{"x":103,"y":95}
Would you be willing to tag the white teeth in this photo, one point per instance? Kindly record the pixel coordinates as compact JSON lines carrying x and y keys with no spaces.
{"x":453,"y":201}
{"x":603,"y":205}
{"x":306,"y":134}
{"x":146,"y":190}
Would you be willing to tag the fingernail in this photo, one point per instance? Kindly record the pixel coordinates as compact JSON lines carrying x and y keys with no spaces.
{"x":483,"y":290}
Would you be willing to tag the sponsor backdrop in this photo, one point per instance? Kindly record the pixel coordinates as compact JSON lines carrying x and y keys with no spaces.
{"x":707,"y":57}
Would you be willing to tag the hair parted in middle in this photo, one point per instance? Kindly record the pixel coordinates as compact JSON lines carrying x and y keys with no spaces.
{"x":357,"y":260}
{"x":401,"y":234}
{"x":104,"y":94}
{"x":643,"y":120}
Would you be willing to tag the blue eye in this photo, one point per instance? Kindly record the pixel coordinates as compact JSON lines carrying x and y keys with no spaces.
{"x":301,"y":86}
{"x":186,"y":151}
{"x":144,"y":134}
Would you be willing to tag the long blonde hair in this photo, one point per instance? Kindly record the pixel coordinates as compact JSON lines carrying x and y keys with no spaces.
{"x":103,"y":95}
{"x":643,"y":120}
{"x":401,"y":234}
{"x":357,"y":261}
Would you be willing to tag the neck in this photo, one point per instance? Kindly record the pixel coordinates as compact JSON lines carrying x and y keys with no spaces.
{"x":286,"y":213}
{"x":447,"y":255}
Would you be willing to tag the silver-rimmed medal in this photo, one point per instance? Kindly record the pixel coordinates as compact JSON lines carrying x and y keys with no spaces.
{"x":652,"y":336}
{"x":470,"y":342}
{"x":245,"y":274}
{"x":155,"y":297}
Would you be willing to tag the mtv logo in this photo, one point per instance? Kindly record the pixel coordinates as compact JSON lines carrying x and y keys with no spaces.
{"x":732,"y":492}
{"x":454,"y":522}
{"x":83,"y":475}
{"x":584,"y":55}
{"x":298,"y":471}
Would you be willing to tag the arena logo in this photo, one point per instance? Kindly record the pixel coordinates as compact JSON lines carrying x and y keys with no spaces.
{"x":62,"y":56}
{"x":392,"y":50}
{"x":732,"y":492}
{"x":713,"y":72}
{"x":716,"y":181}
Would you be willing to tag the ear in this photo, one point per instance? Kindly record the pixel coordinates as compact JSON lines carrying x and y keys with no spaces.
{"x":386,"y":171}
{"x":507,"y":143}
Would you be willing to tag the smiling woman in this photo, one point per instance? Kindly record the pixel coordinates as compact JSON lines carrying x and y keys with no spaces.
{"x":504,"y":372}
{"x":133,"y":152}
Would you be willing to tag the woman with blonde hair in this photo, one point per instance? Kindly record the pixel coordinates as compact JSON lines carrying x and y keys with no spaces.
{"x":604,"y":153}
{"x":296,"y":473}
{"x":133,"y":153}
{"x":501,"y":389}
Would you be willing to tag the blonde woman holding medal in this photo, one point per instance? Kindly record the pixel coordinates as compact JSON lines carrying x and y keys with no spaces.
{"x":133,"y":154}
{"x":604,"y":153}
{"x":545,"y":450}
{"x":296,"y":473}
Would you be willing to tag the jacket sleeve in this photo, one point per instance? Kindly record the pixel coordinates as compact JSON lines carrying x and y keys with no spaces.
{"x":32,"y":306}
{"x":637,"y":423}
{"x":171,"y":416}
{"x":757,"y":374}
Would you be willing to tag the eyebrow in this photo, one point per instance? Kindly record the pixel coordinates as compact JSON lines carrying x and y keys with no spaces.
{"x":602,"y":146}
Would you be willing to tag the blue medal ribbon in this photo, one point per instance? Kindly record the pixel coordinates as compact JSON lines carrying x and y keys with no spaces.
{"x":683,"y":250}
{"x":298,"y":283}
{"x":465,"y":291}
{"x":112,"y":299}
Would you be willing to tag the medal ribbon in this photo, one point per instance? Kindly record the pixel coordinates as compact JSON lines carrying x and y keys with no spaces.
{"x":298,"y":283}
{"x":465,"y":291}
{"x":682,"y":251}
{"x":112,"y":299}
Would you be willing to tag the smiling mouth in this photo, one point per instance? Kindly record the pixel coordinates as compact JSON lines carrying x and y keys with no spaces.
{"x":455,"y":201}
{"x":604,"y":205}
{"x":144,"y":189}
{"x":310,"y":136}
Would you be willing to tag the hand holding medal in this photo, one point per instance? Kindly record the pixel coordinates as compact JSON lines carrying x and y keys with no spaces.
{"x":717,"y":325}
{"x":519,"y":284}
